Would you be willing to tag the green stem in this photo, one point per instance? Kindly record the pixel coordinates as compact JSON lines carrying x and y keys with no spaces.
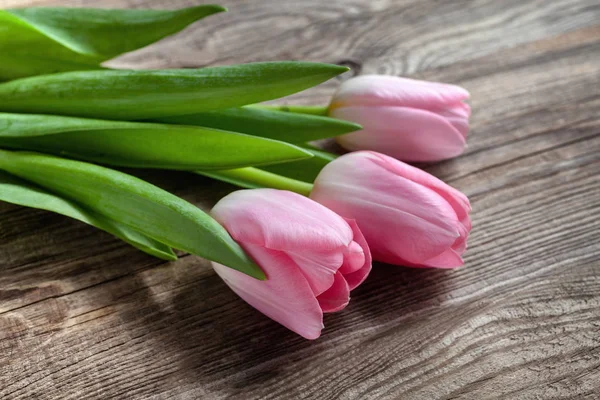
{"x":255,"y":178}
{"x":312,"y":110}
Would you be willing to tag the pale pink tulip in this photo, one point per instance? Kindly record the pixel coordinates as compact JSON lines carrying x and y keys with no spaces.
{"x":407,"y":216}
{"x":404,"y":118}
{"x":311,"y":256}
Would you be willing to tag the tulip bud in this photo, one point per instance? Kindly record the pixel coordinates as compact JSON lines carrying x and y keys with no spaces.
{"x":407,"y":216}
{"x":311,"y":256}
{"x":404,"y":118}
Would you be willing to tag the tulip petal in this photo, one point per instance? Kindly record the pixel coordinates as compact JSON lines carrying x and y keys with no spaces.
{"x":381,"y":90}
{"x":336,"y":297}
{"x":466,"y":223}
{"x":405,"y":235}
{"x":357,"y":277}
{"x":354,"y":259}
{"x":460,"y":125}
{"x":379,"y":181}
{"x":318,"y":268}
{"x":448,"y":259}
{"x":404,"y":221}
{"x":461,"y":243}
{"x":457,"y":110}
{"x":459,"y":202}
{"x":281,"y":220}
{"x":407,"y":134}
{"x":458,"y":116}
{"x":284,"y":297}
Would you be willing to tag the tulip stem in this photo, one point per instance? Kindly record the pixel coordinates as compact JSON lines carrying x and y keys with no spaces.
{"x":312,"y":110}
{"x":254,"y":178}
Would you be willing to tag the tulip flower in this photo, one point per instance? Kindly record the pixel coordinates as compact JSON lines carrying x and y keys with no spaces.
{"x":407,"y":216}
{"x":407,"y":119}
{"x":311,"y":256}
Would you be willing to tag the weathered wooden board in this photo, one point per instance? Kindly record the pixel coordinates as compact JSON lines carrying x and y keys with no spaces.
{"x":84,"y":316}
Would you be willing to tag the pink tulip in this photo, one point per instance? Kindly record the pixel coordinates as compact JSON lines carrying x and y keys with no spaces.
{"x":312,"y":257}
{"x":404,"y":118}
{"x":407,"y":216}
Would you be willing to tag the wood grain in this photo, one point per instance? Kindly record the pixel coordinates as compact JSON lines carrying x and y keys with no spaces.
{"x":84,"y":316}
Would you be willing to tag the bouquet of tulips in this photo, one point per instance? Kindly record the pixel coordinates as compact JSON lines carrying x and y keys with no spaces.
{"x":304,"y":233}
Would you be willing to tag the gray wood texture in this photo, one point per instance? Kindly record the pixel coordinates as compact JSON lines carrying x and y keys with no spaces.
{"x":84,"y":316}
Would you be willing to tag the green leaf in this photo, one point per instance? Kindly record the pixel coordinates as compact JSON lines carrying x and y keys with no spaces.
{"x":298,"y":109}
{"x":133,"y":202}
{"x":233,"y":179}
{"x":279,"y":125}
{"x":106,"y":33}
{"x":131,"y":95}
{"x":296,"y":176}
{"x":55,"y":39}
{"x":304,"y":170}
{"x":252,"y":178}
{"x":17,"y":191}
{"x":143,"y":145}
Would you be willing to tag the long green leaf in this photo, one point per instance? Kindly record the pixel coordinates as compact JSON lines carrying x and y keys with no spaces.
{"x":45,"y":40}
{"x":133,"y":202}
{"x":225,"y":176}
{"x":297,"y":176}
{"x":279,"y":125}
{"x":304,"y":170}
{"x":253,"y":178}
{"x":17,"y":191}
{"x":131,"y":95}
{"x":296,"y":109}
{"x":143,"y":145}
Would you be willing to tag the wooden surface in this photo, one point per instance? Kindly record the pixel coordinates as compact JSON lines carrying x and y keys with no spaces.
{"x":84,"y":316}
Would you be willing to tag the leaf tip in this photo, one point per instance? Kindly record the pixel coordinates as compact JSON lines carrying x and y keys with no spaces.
{"x":217,"y":8}
{"x":352,"y":126}
{"x":258,"y":273}
{"x":336,"y":69}
{"x":305,"y":153}
{"x":169,"y":257}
